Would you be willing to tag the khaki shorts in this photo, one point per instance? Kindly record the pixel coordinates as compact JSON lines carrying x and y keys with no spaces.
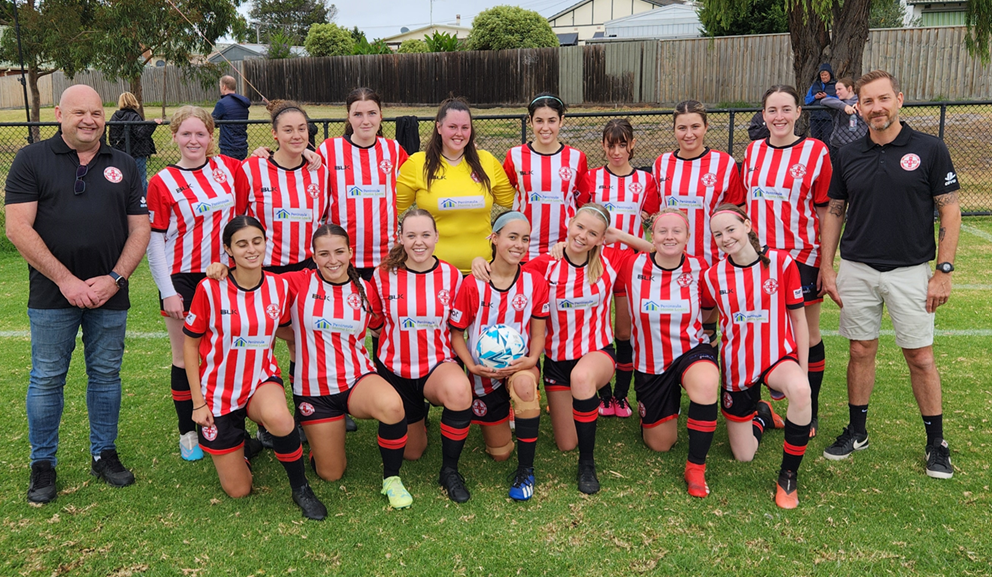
{"x":864,"y":290}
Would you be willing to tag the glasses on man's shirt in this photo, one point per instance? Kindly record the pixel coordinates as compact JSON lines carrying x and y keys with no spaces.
{"x":80,"y":186}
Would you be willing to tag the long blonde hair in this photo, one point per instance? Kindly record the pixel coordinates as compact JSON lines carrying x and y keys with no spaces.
{"x":187,"y":112}
{"x":594,"y":266}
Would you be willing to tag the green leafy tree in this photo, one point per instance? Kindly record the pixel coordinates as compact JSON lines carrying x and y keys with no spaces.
{"x":413,"y":46}
{"x":293,"y":18}
{"x":329,"y":40}
{"x":378,"y":46}
{"x":749,"y":17}
{"x":886,"y":14}
{"x":442,"y":42}
{"x":357,"y":35}
{"x":506,"y":27}
{"x":280,"y":46}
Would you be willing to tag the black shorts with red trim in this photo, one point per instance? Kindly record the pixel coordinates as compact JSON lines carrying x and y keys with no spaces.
{"x":296,"y":266}
{"x":492,"y":409}
{"x":226,"y":435}
{"x":185,"y":284}
{"x":659,"y":397}
{"x":558,"y":374}
{"x":366,"y":272}
{"x":740,"y":406}
{"x":323,"y":409}
{"x":807,"y":278}
{"x":410,"y":390}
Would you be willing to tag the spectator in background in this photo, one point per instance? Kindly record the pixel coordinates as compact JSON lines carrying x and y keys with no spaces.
{"x":135,"y":140}
{"x":820,"y":122}
{"x":756,"y":129}
{"x":848,"y":124}
{"x":232,"y":106}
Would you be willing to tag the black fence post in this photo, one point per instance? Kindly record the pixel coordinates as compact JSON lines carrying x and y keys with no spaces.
{"x":730,"y":138}
{"x":943,"y":119}
{"x":327,"y":129}
{"x":523,"y":129}
{"x":127,"y":138}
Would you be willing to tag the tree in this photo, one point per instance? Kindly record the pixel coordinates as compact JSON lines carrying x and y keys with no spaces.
{"x":505,"y":27}
{"x":329,"y":40}
{"x":886,"y":14}
{"x":442,"y":42}
{"x":748,"y":17}
{"x":413,"y":46}
{"x":291,"y":17}
{"x":378,"y":46}
{"x":280,"y":46}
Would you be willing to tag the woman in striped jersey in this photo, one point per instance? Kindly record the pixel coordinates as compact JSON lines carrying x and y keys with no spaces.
{"x":411,"y":299}
{"x":763,"y":340}
{"x":670,"y":348}
{"x":579,"y":354}
{"x":787,"y":178}
{"x":518,"y":299}
{"x":230,"y":330}
{"x":189,"y":203}
{"x":628,"y":194}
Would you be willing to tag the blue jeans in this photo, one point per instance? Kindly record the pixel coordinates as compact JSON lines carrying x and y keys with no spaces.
{"x":53,"y":338}
{"x":142,"y":162}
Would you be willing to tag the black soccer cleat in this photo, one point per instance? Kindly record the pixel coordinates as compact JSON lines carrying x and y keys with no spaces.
{"x":42,"y":486}
{"x":454,"y":484}
{"x":588,"y":482}
{"x":309,"y":503}
{"x":350,"y":426}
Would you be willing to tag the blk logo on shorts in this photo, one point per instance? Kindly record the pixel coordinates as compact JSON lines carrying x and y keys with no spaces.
{"x":641,"y":410}
{"x":306,"y":409}
{"x":479,"y":408}
{"x":728,"y":400}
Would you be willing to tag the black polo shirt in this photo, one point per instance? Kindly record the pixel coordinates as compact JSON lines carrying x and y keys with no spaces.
{"x":889,"y":190}
{"x":85,"y":232}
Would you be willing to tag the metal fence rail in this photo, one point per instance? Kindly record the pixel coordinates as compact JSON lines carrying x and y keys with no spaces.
{"x":966,"y":128}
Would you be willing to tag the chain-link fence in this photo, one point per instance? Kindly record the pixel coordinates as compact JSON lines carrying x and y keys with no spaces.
{"x":966,"y":127}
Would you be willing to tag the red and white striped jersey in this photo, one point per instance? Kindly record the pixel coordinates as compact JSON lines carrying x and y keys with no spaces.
{"x":546,"y":188}
{"x":329,"y":324}
{"x":238,"y":328}
{"x":290,"y":204}
{"x":192,"y":207}
{"x":784,"y":187}
{"x":413,"y":309}
{"x":362,"y":193}
{"x":624,"y":196}
{"x":579,"y":312}
{"x":754,"y":302}
{"x":665,"y":311}
{"x":697,"y":186}
{"x":479,"y":305}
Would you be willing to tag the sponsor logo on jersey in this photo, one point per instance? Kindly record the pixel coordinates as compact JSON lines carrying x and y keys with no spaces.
{"x":797,"y":293}
{"x":476,"y":179}
{"x":629,"y":208}
{"x":213,"y":204}
{"x":565,"y":173}
{"x":770,"y":286}
{"x":909,"y":162}
{"x":950,"y":179}
{"x":366,"y":191}
{"x":354,"y":300}
{"x":293,"y":215}
{"x":728,"y":400}
{"x":664,"y":307}
{"x":401,"y":296}
{"x":606,"y":187}
{"x":547,"y":197}
{"x":479,"y":408}
{"x":772,"y":193}
{"x":419,"y":323}
{"x":444,"y":297}
{"x":190,"y":318}
{"x":385,"y":165}
{"x":745,"y":317}
{"x":684,"y":202}
{"x":519,"y":302}
{"x":461,"y":202}
{"x":273,"y":311}
{"x":306,"y":409}
{"x":220,"y":176}
{"x":313,"y":190}
{"x":183,"y":188}
{"x":335,"y":325}
{"x":266,"y":190}
{"x":636,"y":188}
{"x":113,"y":174}
{"x":797,"y":170}
{"x":456,"y":315}
{"x":526,"y":172}
{"x":209,"y":433}
{"x":685,"y":279}
{"x":645,"y":277}
{"x":144,"y":203}
{"x":708,"y":179}
{"x":228,"y":311}
{"x":577,"y":303}
{"x":246,"y":343}
{"x":726,"y":291}
{"x":342,"y":167}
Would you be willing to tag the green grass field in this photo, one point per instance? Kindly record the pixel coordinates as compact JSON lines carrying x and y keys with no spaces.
{"x":875,"y":514}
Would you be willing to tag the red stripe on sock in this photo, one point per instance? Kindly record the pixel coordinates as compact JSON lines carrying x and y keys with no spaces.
{"x":758,"y":424}
{"x":180,"y":396}
{"x":534,"y":440}
{"x":453,"y":433}
{"x":392,"y":443}
{"x":585,"y":417}
{"x":795,"y":450}
{"x":625,"y":367}
{"x":817,"y":366}
{"x":704,"y":426}
{"x":290,"y":457}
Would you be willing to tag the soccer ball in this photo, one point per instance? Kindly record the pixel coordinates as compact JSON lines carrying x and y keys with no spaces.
{"x":499,"y":346}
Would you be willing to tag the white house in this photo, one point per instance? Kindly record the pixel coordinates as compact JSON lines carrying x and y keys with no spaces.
{"x":928,"y":13}
{"x":673,"y":21}
{"x":456,"y":30}
{"x":587,"y":18}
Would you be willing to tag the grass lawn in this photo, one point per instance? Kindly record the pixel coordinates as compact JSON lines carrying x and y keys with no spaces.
{"x":874,"y":514}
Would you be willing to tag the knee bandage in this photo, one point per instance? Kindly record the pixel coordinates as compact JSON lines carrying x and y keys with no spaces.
{"x":500,"y":453}
{"x":521,"y":407}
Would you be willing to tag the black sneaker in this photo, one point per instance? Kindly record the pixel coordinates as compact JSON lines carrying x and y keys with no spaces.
{"x":252,"y":447}
{"x":938,"y":461}
{"x":588,"y":482}
{"x":454,"y":484}
{"x":847,"y":443}
{"x":350,"y":425}
{"x":110,"y":469}
{"x":309,"y":503}
{"x":264,"y":436}
{"x":42,"y":487}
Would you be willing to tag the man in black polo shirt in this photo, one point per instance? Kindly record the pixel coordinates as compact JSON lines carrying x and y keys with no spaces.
{"x":889,"y":183}
{"x":77,"y":214}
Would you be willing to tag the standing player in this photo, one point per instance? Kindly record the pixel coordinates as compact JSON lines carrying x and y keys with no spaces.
{"x":763,"y":340}
{"x":230,"y":330}
{"x":670,"y":348}
{"x":189,"y":203}
{"x":579,"y":354}
{"x":787,"y":178}
{"x":627,"y":193}
{"x":546,"y":174}
{"x":518,"y":299}
{"x":411,"y":298}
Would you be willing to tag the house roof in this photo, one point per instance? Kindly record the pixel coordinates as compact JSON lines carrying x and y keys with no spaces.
{"x":257,"y":49}
{"x":581,"y":2}
{"x":429,"y":27}
{"x":663,"y":14}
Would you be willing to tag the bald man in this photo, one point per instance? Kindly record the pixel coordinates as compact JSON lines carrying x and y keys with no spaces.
{"x":77,"y":214}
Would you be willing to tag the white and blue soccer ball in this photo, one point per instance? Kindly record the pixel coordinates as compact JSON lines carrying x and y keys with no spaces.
{"x":498,"y":346}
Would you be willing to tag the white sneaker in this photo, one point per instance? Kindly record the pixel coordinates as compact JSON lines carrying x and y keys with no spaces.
{"x":189,"y":447}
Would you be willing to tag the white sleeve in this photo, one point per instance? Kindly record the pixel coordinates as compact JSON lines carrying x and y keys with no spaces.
{"x":159,"y":265}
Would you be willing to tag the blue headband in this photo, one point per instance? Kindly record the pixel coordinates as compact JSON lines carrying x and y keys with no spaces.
{"x":506,"y":218}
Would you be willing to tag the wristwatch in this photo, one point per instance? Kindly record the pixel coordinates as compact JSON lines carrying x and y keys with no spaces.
{"x":945,"y":267}
{"x":119,"y":280}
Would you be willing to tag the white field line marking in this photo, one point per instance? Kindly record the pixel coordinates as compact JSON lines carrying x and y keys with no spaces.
{"x":976,"y":231}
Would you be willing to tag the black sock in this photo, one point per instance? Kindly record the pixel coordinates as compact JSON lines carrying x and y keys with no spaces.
{"x":702,"y":424}
{"x":794,"y":447}
{"x":289,"y":451}
{"x":392,"y":442}
{"x":815,"y":374}
{"x":859,"y":418}
{"x":758,"y":426}
{"x":292,"y":372}
{"x":527,"y":440}
{"x":182,"y":400}
{"x":454,"y":429}
{"x":585,"y":412}
{"x":606,"y":393}
{"x":935,"y":428}
{"x":375,"y":350}
{"x":625,"y":369}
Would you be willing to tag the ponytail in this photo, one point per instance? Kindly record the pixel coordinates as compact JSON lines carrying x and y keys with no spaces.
{"x":355,"y":278}
{"x":751,"y":236}
{"x":594,"y":264}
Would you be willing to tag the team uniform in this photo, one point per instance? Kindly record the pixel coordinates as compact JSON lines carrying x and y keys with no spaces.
{"x":785,"y":185}
{"x":290,"y":204}
{"x":756,"y":332}
{"x":238,"y":328}
{"x":478,"y":306}
{"x":697,"y":186}
{"x":546,"y":186}
{"x":666,"y":331}
{"x":361,"y":188}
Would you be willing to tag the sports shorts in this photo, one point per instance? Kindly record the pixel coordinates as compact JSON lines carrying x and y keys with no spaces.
{"x":492,"y":409}
{"x":659,"y":397}
{"x":558,"y":374}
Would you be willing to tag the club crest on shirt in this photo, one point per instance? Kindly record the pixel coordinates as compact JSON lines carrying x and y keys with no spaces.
{"x":209,"y":433}
{"x":475,"y":178}
{"x":519,"y":302}
{"x":306,"y":409}
{"x":273,"y":311}
{"x":770,"y":286}
{"x":113,"y":174}
{"x":385,"y":165}
{"x":565,"y":172}
{"x":708,"y":179}
{"x":444,"y":297}
{"x":909,"y":162}
{"x":313,"y":189}
{"x":797,"y":170}
{"x":220,"y":176}
{"x":641,"y":410}
{"x":636,"y":188}
{"x":354,"y":301}
{"x":728,"y":400}
{"x":479,"y":408}
{"x":684,"y":280}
